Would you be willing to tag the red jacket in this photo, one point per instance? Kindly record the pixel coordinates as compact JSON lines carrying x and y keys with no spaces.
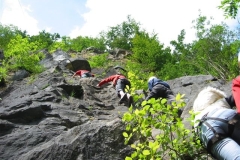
{"x":81,"y":72}
{"x":112,"y":78}
{"x":236,"y":92}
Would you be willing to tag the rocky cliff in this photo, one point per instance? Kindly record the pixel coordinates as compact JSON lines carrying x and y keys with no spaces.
{"x":54,"y":116}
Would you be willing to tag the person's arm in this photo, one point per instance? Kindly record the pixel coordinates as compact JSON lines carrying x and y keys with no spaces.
{"x":106,"y":80}
{"x":77,"y":73}
{"x":114,"y":80}
{"x":74,"y":75}
{"x":150,"y":95}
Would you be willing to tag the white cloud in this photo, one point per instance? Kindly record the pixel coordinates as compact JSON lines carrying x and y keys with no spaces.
{"x":167,"y":18}
{"x":18,"y":15}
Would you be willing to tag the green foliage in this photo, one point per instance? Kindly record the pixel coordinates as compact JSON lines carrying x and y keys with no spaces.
{"x":44,"y":39}
{"x":230,"y":8}
{"x":20,"y":54}
{"x":3,"y":73}
{"x":137,"y":82}
{"x":80,"y":43}
{"x":121,"y":35}
{"x":58,"y":45}
{"x":173,"y":140}
{"x":99,"y":60}
{"x":215,"y":48}
{"x":182,"y":62}
{"x":214,"y":52}
{"x":149,"y":52}
{"x":7,"y":33}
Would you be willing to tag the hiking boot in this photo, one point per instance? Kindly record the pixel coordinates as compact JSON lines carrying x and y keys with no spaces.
{"x":123,"y":99}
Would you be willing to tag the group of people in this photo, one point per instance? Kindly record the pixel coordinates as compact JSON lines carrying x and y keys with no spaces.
{"x":217,"y":125}
{"x":157,"y":88}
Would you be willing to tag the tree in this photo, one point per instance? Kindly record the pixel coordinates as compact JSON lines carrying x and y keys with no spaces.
{"x":7,"y":33}
{"x":149,"y":52}
{"x":44,"y":39}
{"x":80,"y":43}
{"x":230,"y":7}
{"x":215,"y":50}
{"x":121,"y":35}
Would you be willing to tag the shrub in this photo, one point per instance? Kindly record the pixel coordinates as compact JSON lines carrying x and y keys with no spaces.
{"x":21,"y":54}
{"x":99,"y":60}
{"x":173,"y":140}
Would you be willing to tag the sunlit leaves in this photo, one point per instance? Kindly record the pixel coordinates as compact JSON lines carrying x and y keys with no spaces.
{"x":99,"y":60}
{"x":21,"y":54}
{"x":230,"y":8}
{"x":172,"y":138}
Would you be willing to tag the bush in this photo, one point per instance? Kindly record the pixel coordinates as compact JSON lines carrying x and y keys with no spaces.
{"x":99,"y":60}
{"x":21,"y":55}
{"x":173,"y":140}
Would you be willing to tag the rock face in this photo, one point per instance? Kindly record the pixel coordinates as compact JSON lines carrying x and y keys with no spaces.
{"x":58,"y":117}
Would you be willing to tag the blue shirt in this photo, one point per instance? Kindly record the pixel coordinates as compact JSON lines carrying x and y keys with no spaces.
{"x":156,"y":81}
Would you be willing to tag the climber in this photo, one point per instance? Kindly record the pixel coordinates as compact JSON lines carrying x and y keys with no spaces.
{"x":119,"y":81}
{"x":83,"y":74}
{"x":159,"y":89}
{"x":217,"y":125}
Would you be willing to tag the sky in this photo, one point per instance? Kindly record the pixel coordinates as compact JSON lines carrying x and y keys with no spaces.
{"x":75,"y":18}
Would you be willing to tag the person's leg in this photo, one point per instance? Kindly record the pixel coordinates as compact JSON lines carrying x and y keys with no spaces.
{"x":120,"y":90}
{"x":130,"y":100}
{"x":226,"y":149}
{"x":121,"y":93}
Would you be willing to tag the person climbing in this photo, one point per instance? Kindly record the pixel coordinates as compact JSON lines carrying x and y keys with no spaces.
{"x":159,"y":89}
{"x":119,"y":81}
{"x":83,"y":74}
{"x":217,"y":125}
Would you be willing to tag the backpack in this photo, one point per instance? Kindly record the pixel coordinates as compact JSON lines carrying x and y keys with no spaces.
{"x":165,"y":84}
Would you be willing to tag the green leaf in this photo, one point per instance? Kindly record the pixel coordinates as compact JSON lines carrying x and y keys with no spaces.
{"x":146,"y":152}
{"x":133,"y":145}
{"x":134,"y":154}
{"x":178,"y":97}
{"x":127,"y":117}
{"x":128,"y":158}
{"x":125,"y":134}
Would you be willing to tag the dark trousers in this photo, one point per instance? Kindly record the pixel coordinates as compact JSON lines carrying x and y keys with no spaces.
{"x":121,"y":85}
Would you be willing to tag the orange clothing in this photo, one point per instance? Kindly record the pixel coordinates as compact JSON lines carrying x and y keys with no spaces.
{"x":236,"y":92}
{"x":81,"y":72}
{"x":112,"y":78}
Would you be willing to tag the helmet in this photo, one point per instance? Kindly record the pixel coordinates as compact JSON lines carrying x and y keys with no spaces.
{"x":151,"y":78}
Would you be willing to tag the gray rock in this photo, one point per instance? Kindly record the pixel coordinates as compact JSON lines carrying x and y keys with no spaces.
{"x":60,"y":117}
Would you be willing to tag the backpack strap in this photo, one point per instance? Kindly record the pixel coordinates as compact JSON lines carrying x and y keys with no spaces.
{"x":215,"y":138}
{"x":218,"y":136}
